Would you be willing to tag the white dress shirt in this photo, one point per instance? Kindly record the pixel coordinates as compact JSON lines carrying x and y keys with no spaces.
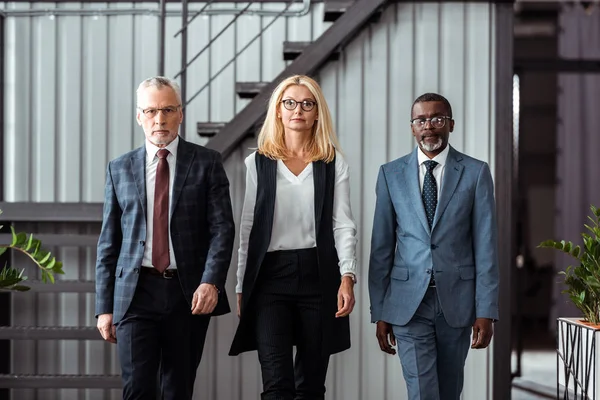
{"x":438,"y":171}
{"x":151,"y":164}
{"x":294,"y":214}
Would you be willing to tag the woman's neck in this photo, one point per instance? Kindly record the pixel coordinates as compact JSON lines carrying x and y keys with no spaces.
{"x":297,"y":143}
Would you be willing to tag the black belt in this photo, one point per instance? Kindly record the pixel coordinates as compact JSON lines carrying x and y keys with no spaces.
{"x":168,"y":274}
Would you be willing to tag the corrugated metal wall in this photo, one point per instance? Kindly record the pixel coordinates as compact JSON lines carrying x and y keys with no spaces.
{"x":415,"y":48}
{"x":69,"y":109}
{"x":577,"y":143}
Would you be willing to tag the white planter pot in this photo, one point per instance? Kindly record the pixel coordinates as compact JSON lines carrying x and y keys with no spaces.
{"x":578,"y":355}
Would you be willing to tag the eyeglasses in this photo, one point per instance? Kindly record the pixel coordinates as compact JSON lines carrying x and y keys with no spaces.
{"x":306,"y":105}
{"x":436,"y":122}
{"x":152,"y":112}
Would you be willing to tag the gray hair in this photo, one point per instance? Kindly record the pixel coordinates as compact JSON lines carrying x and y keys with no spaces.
{"x":159,"y":82}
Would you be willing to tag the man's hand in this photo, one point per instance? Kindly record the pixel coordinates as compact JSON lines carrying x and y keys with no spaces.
{"x":205,"y":299}
{"x":345,"y":297}
{"x":482,"y":333}
{"x":239,"y":304}
{"x":383,"y":332}
{"x":106,"y":328}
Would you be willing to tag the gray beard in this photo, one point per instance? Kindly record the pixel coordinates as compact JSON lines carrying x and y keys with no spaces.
{"x":431,"y":147}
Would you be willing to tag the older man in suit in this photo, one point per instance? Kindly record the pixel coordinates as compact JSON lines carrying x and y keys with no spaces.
{"x":164,"y":250}
{"x":433,"y":272}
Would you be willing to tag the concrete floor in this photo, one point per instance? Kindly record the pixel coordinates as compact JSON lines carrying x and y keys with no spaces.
{"x":538,"y":373}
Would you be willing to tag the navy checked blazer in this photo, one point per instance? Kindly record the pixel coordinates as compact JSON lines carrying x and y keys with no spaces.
{"x":202,"y":228}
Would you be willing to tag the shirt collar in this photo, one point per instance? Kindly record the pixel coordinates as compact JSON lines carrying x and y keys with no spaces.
{"x":440,"y":158}
{"x":152,"y":149}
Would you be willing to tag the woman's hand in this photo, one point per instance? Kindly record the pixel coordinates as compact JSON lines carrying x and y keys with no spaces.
{"x":239,"y":304}
{"x":345,"y":297}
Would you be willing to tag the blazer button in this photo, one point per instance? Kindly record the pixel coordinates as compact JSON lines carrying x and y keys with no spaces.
{"x":428,"y":271}
{"x":142,"y":243}
{"x":433,"y":247}
{"x":136,"y":270}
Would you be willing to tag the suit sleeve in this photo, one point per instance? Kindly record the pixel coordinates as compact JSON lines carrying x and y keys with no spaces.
{"x":221,"y":227}
{"x":485,"y":246}
{"x":383,"y":245}
{"x":109,"y":247}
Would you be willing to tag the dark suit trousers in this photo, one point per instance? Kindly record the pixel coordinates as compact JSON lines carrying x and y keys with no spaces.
{"x":287,"y":300}
{"x":158,"y":329}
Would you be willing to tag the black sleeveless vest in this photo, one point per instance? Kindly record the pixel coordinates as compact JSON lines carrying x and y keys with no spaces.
{"x":336,"y":329}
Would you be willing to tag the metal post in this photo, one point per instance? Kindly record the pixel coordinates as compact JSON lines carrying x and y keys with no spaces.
{"x":504,"y":183}
{"x":161,"y":37}
{"x":184,"y":37}
{"x":5,"y":298}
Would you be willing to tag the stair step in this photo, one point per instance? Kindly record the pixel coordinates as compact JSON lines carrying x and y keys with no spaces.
{"x":333,"y":9}
{"x":50,"y":212}
{"x":209,"y":129}
{"x":26,"y":381}
{"x":61,"y":286}
{"x":49,"y":333}
{"x":291,"y":50}
{"x":59,"y":239}
{"x":249,"y":90}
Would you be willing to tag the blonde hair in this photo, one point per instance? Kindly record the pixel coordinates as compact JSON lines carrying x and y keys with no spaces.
{"x":271,"y":139}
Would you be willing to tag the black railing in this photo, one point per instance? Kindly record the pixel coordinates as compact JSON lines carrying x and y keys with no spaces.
{"x":236,"y":55}
{"x":576,"y":359}
{"x":185,"y":63}
{"x":213,"y":39}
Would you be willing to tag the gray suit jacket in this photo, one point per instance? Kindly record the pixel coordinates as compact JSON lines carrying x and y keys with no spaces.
{"x":460,"y":249}
{"x":202,"y":228}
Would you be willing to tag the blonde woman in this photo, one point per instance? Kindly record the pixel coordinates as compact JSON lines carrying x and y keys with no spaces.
{"x":297,"y":262}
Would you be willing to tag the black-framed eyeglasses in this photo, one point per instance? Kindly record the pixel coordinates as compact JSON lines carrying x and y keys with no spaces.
{"x":436,"y":122}
{"x":166,"y":111}
{"x":306,"y":105}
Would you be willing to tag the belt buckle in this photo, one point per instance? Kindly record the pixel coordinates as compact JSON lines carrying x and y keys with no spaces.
{"x":165,"y":276}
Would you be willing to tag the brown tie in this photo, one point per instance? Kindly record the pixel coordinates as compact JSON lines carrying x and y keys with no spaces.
{"x":160,"y":229}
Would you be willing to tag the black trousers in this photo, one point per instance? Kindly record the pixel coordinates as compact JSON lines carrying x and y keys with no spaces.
{"x":159,"y":330}
{"x":288,"y":311}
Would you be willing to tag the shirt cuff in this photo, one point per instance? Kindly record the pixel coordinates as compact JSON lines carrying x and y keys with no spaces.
{"x":348,"y":267}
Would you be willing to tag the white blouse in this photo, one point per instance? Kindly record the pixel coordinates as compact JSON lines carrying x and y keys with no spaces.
{"x":294,"y":214}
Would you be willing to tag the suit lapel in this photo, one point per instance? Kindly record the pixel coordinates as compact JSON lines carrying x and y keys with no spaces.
{"x":411,"y":176}
{"x":185,"y":157}
{"x":319,"y":172}
{"x":138,"y":169}
{"x":452,"y":174}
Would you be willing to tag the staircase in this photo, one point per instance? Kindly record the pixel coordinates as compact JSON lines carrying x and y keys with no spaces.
{"x":88,"y":214}
{"x":348,"y":17}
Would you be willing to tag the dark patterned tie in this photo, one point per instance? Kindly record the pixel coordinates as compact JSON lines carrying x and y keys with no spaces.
{"x":430,"y":191}
{"x":160,"y":229}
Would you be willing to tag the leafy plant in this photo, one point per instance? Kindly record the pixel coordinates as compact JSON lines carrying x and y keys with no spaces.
{"x":11,"y":278}
{"x":583,"y":280}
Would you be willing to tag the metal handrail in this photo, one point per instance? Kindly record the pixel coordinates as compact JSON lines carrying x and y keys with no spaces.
{"x":184,"y":48}
{"x":238,"y":54}
{"x":56,"y":12}
{"x":211,"y":41}
{"x":161,"y":36}
{"x":188,"y":22}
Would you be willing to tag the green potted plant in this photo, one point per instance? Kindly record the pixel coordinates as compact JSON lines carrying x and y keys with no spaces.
{"x":582,"y":280}
{"x":11,"y":278}
{"x":576,"y":338}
